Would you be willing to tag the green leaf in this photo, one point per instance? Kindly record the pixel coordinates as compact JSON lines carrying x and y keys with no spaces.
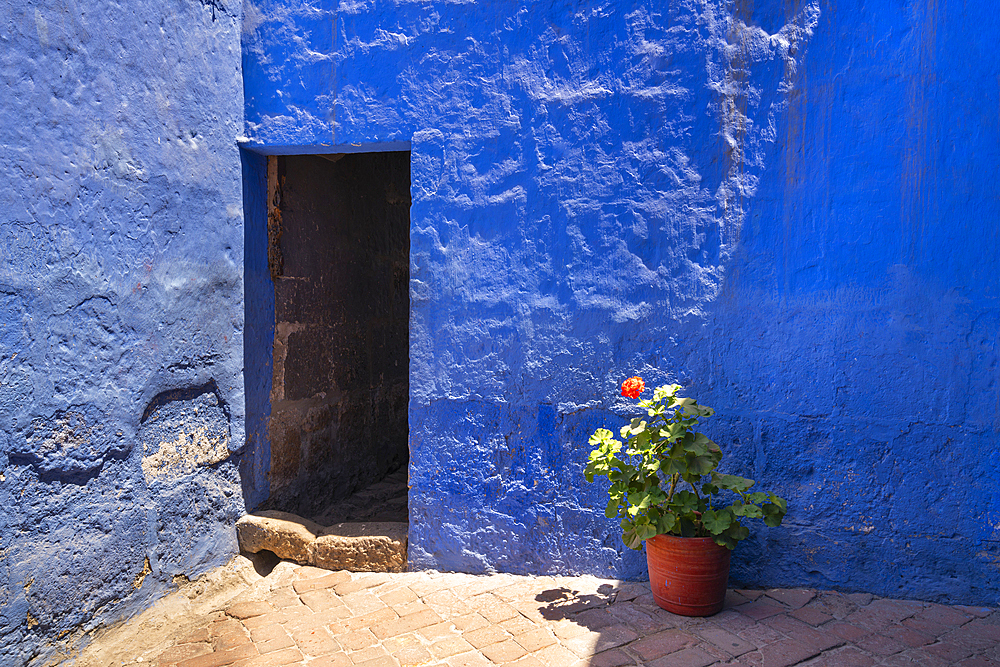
{"x":611,"y":511}
{"x":751,"y":511}
{"x":773,"y":514}
{"x":666,"y":523}
{"x":631,"y":540}
{"x":685,"y":502}
{"x":733,"y":482}
{"x":716,"y":522}
{"x":737,"y":531}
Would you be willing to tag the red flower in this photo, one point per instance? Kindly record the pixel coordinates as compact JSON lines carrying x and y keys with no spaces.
{"x":633,"y":386}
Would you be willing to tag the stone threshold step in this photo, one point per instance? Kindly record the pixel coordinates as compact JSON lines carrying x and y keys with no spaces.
{"x":371,"y":546}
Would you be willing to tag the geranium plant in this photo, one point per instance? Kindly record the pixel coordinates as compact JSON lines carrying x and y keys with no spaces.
{"x":664,"y":478}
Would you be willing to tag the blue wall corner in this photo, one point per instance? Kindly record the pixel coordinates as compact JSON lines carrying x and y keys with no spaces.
{"x":258,"y":351}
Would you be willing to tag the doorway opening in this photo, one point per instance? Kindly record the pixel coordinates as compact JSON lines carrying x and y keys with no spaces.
{"x":338,"y":229}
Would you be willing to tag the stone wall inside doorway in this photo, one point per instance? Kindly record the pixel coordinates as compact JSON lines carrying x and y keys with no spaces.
{"x":338,"y":237}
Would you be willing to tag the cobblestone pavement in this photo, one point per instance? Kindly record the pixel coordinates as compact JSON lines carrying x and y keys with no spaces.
{"x":308,"y":616}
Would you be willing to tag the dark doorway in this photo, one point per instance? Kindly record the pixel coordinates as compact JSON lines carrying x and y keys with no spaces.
{"x":338,"y":253}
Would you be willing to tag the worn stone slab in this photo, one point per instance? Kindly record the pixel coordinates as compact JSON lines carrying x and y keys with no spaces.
{"x":287,"y":535}
{"x":358,"y":547}
{"x":362,"y":547}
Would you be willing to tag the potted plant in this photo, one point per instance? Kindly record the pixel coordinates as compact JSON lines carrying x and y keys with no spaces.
{"x":666,"y":491}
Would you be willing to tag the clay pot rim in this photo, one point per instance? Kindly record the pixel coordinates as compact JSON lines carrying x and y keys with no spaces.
{"x":679,"y":538}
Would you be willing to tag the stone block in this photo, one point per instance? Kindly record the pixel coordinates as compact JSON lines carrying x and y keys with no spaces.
{"x":289,"y":536}
{"x":362,"y":547}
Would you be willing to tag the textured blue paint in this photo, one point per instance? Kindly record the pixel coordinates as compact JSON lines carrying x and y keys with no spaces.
{"x":788,"y":207}
{"x":258,"y":352}
{"x":121,"y":306}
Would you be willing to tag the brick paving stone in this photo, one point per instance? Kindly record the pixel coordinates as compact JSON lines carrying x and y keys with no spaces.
{"x":369,"y":654}
{"x":220,"y":658}
{"x":449,"y":647}
{"x":595,"y":619}
{"x":979,"y":612}
{"x":288,"y":656}
{"x":443,"y":630}
{"x":405,"y":624}
{"x":761,"y":609}
{"x":907,"y":636}
{"x":492,"y":608}
{"x":655,"y":646}
{"x":332,"y":660}
{"x":793,"y":598}
{"x":517,"y":625}
{"x":330,"y":580}
{"x":880,"y":645}
{"x":556,"y":655}
{"x":277,"y":617}
{"x":400,"y":595}
{"x":467,"y":622}
{"x":243,"y":610}
{"x":503,"y":652}
{"x":978,"y":661}
{"x":527,"y":661}
{"x":689,"y":657}
{"x":734,"y":599}
{"x":407,"y":608}
{"x":231,"y":640}
{"x":356,"y":640}
{"x":363,"y":602}
{"x":224,"y":626}
{"x":379,"y":661}
{"x":942,"y":616}
{"x":582,"y":645}
{"x":845,"y":656}
{"x":315,"y":642}
{"x":321,"y":599}
{"x":804,"y":634}
{"x":786,"y":652}
{"x":847,"y":631}
{"x":196,"y":636}
{"x":912,"y":657}
{"x":470,"y":659}
{"x":284,"y":597}
{"x":310,"y":572}
{"x":731,"y":644}
{"x":948,"y":650}
{"x":535,"y":639}
{"x":485,"y":636}
{"x":444,"y":601}
{"x":750,"y":594}
{"x":732,"y":620}
{"x":811,"y":615}
{"x":611,"y":658}
{"x":860,"y":599}
{"x":364,"y":621}
{"x":636,"y":619}
{"x":408,"y":650}
{"x":356,"y":585}
{"x":760,"y":635}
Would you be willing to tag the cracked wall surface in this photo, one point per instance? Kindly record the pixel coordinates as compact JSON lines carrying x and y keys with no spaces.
{"x":121,"y":262}
{"x":784,"y":206}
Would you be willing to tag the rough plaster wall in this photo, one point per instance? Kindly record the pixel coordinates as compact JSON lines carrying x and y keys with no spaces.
{"x":785,"y":206}
{"x":339,"y":395}
{"x":120,"y":307}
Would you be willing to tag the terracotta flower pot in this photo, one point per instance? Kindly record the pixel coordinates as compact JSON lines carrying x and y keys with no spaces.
{"x":688,"y":575}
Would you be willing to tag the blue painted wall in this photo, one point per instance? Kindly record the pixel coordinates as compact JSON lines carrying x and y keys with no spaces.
{"x":788,"y":207}
{"x":121,"y":309}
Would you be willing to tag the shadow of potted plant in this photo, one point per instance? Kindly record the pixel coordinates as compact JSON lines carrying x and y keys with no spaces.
{"x":666,"y":491}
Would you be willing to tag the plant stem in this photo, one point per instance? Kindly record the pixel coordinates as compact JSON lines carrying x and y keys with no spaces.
{"x":673,"y":484}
